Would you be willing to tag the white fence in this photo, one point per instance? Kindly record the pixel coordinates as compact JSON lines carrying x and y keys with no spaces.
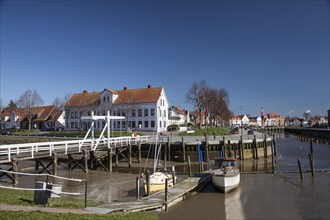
{"x":8,"y":151}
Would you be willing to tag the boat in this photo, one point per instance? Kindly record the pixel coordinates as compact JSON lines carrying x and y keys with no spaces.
{"x":225,"y":174}
{"x":157,"y":178}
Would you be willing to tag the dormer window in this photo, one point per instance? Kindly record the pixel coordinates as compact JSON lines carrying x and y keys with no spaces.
{"x":108,"y":98}
{"x":104,"y":99}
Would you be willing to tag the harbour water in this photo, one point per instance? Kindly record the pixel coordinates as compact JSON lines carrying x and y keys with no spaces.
{"x":265,"y":195}
{"x":260,"y":195}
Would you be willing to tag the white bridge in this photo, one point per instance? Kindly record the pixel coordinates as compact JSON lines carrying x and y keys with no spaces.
{"x":30,"y":150}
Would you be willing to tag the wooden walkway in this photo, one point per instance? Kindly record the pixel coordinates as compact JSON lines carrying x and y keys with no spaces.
{"x":28,"y":151}
{"x":156,"y":201}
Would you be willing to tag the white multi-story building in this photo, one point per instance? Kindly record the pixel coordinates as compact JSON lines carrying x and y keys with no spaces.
{"x":144,"y":109}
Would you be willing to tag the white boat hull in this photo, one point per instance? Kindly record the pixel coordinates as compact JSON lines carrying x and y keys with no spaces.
{"x":225,"y":183}
{"x":157,"y":181}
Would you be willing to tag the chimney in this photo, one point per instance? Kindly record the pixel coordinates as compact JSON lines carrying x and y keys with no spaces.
{"x":85,"y":91}
{"x":149,"y":86}
{"x":125,"y":88}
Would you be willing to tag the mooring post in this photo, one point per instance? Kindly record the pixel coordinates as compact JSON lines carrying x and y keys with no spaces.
{"x":109,"y":160}
{"x":85,"y":153}
{"x":117,"y":160}
{"x":139,"y":148}
{"x":37,"y":166}
{"x":229,"y":150}
{"x":55,"y":164}
{"x":91,"y":159}
{"x":265,"y":147}
{"x":242,"y":149}
{"x":85,"y":193}
{"x":183,"y":150}
{"x":256,"y":146}
{"x":224,"y":146}
{"x":148,"y":182}
{"x":273,"y":159}
{"x":168,"y":148}
{"x":311,"y":157}
{"x":207,"y":155}
{"x":137,"y":187}
{"x":300,"y":170}
{"x":173,"y":175}
{"x":129,"y":155}
{"x":274,"y":142}
{"x":189,"y":166}
{"x":166,"y":194}
{"x":15,"y":169}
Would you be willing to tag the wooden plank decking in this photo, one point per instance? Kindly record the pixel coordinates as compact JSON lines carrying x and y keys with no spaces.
{"x":156,"y":201}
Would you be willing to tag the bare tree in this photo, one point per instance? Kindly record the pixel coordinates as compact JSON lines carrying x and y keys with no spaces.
{"x":196,"y":96}
{"x":28,"y":100}
{"x":1,"y":105}
{"x":58,"y":102}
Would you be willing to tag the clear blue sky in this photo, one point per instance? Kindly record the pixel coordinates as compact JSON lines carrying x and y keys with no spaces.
{"x":270,"y":54}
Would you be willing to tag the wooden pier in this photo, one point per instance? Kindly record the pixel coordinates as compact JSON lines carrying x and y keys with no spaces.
{"x":161,"y":200}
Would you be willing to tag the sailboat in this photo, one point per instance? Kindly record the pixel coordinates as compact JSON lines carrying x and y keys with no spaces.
{"x":156,"y":180}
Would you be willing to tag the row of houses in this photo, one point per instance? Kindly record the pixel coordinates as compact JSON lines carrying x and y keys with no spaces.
{"x":144,"y":109}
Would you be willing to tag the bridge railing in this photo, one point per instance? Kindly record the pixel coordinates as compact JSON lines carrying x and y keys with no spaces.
{"x":30,"y":149}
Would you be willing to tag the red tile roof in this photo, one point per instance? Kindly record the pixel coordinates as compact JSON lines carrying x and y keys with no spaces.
{"x":125,"y":96}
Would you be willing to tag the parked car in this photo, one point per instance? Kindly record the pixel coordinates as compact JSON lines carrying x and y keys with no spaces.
{"x":234,"y":131}
{"x":250,"y":132}
{"x":5,"y":132}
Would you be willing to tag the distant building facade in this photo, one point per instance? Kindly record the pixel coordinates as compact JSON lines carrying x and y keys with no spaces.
{"x":144,"y":109}
{"x":42,"y":117}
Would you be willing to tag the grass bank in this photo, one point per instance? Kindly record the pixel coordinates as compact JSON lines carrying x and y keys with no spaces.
{"x":209,"y":131}
{"x":25,"y":198}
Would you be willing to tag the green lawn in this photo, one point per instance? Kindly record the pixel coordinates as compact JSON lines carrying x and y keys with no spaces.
{"x":25,"y":198}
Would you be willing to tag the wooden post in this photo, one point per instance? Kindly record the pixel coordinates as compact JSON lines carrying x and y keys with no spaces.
{"x":274,"y":142}
{"x":273,"y":160}
{"x":234,"y":149}
{"x":139,"y":148}
{"x":85,"y":193}
{"x":55,"y":164}
{"x":166,"y":194}
{"x":311,"y":157}
{"x":183,"y":151}
{"x":117,"y":160}
{"x":85,"y":152}
{"x":265,"y":147}
{"x":173,"y":175}
{"x":229,"y":152}
{"x":311,"y":160}
{"x":242,"y":149}
{"x":168,"y":149}
{"x":224,"y":147}
{"x":37,"y":166}
{"x":129,"y":155}
{"x":256,"y":146}
{"x":109,"y":152}
{"x":91,"y":159}
{"x":189,"y":166}
{"x":148,"y":182}
{"x":15,"y":169}
{"x":300,"y":170}
{"x":137,"y":188}
{"x":207,"y":155}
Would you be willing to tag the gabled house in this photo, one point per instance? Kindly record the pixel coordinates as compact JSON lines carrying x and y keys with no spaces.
{"x":178,"y":116}
{"x":144,"y":109}
{"x":41,"y":117}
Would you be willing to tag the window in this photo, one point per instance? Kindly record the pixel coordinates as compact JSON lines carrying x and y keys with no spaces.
{"x":133,"y":124}
{"x":104,"y":99}
{"x":146,"y":112}
{"x":160,"y":124}
{"x":140,"y":124}
{"x":133,"y":112}
{"x":152,"y":124}
{"x":152,"y":112}
{"x":140,"y":112}
{"x":146,"y":124}
{"x":123,"y":124}
{"x":72,"y":124}
{"x":72,"y":114}
{"x":160,"y":113}
{"x":164,"y":112}
{"x":118,"y":124}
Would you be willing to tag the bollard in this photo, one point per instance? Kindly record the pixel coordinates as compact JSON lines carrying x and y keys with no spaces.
{"x":300,"y":170}
{"x":173,"y":175}
{"x":148,"y":182}
{"x":311,"y":160}
{"x":189,"y":166}
{"x":137,"y":188}
{"x":166,"y":194}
